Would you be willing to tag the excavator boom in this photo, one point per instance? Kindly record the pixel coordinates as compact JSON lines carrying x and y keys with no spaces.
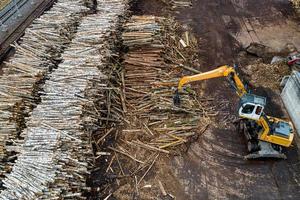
{"x":223,"y":71}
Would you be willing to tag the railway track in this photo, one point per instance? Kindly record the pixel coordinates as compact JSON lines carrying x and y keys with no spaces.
{"x":14,"y":19}
{"x":10,"y":9}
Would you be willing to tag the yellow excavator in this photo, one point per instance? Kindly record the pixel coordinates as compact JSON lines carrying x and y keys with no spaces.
{"x":266,"y":136}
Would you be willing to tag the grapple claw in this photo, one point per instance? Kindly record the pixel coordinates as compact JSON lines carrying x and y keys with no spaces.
{"x":176,"y":98}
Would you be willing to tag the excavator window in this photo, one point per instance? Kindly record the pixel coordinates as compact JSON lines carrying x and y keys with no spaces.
{"x":258,"y":110}
{"x":248,"y":109}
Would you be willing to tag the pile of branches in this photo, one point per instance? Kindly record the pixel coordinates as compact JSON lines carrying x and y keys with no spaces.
{"x":57,"y":154}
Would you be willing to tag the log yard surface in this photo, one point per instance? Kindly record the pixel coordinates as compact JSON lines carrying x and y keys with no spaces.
{"x":87,"y":90}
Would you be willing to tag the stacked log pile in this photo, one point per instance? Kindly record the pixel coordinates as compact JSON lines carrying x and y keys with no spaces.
{"x":37,"y":55}
{"x":152,"y":125}
{"x":150,"y":84}
{"x":55,"y":158}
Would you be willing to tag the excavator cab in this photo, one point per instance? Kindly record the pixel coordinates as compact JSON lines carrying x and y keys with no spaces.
{"x":251,"y":106}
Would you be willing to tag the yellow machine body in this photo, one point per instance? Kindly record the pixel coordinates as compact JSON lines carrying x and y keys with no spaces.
{"x":266,"y":133}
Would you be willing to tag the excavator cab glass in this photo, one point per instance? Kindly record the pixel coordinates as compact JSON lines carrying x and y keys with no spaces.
{"x":251,"y":106}
{"x":248,"y":108}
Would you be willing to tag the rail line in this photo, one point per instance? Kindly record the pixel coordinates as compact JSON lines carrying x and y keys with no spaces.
{"x":10,"y":9}
{"x":12,"y":28}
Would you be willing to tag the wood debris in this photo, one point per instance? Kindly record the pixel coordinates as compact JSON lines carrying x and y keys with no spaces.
{"x":266,"y":75}
{"x":4,"y":3}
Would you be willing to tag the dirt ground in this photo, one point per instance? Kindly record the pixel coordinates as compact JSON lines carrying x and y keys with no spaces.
{"x":213,"y":167}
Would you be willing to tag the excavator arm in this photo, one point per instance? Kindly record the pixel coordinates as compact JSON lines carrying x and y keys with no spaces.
{"x":223,"y":71}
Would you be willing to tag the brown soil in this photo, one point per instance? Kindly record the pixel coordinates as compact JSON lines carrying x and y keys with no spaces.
{"x":213,"y":167}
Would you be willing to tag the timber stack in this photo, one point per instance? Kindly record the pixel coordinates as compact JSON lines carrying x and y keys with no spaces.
{"x":56,"y":154}
{"x":36,"y":56}
{"x":152,"y":124}
{"x":148,"y":85}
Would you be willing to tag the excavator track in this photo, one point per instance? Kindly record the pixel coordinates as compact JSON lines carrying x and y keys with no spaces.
{"x":258,"y":149}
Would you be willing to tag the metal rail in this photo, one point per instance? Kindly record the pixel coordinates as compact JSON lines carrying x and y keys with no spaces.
{"x":15,"y":17}
{"x":10,"y":9}
{"x":4,"y":3}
